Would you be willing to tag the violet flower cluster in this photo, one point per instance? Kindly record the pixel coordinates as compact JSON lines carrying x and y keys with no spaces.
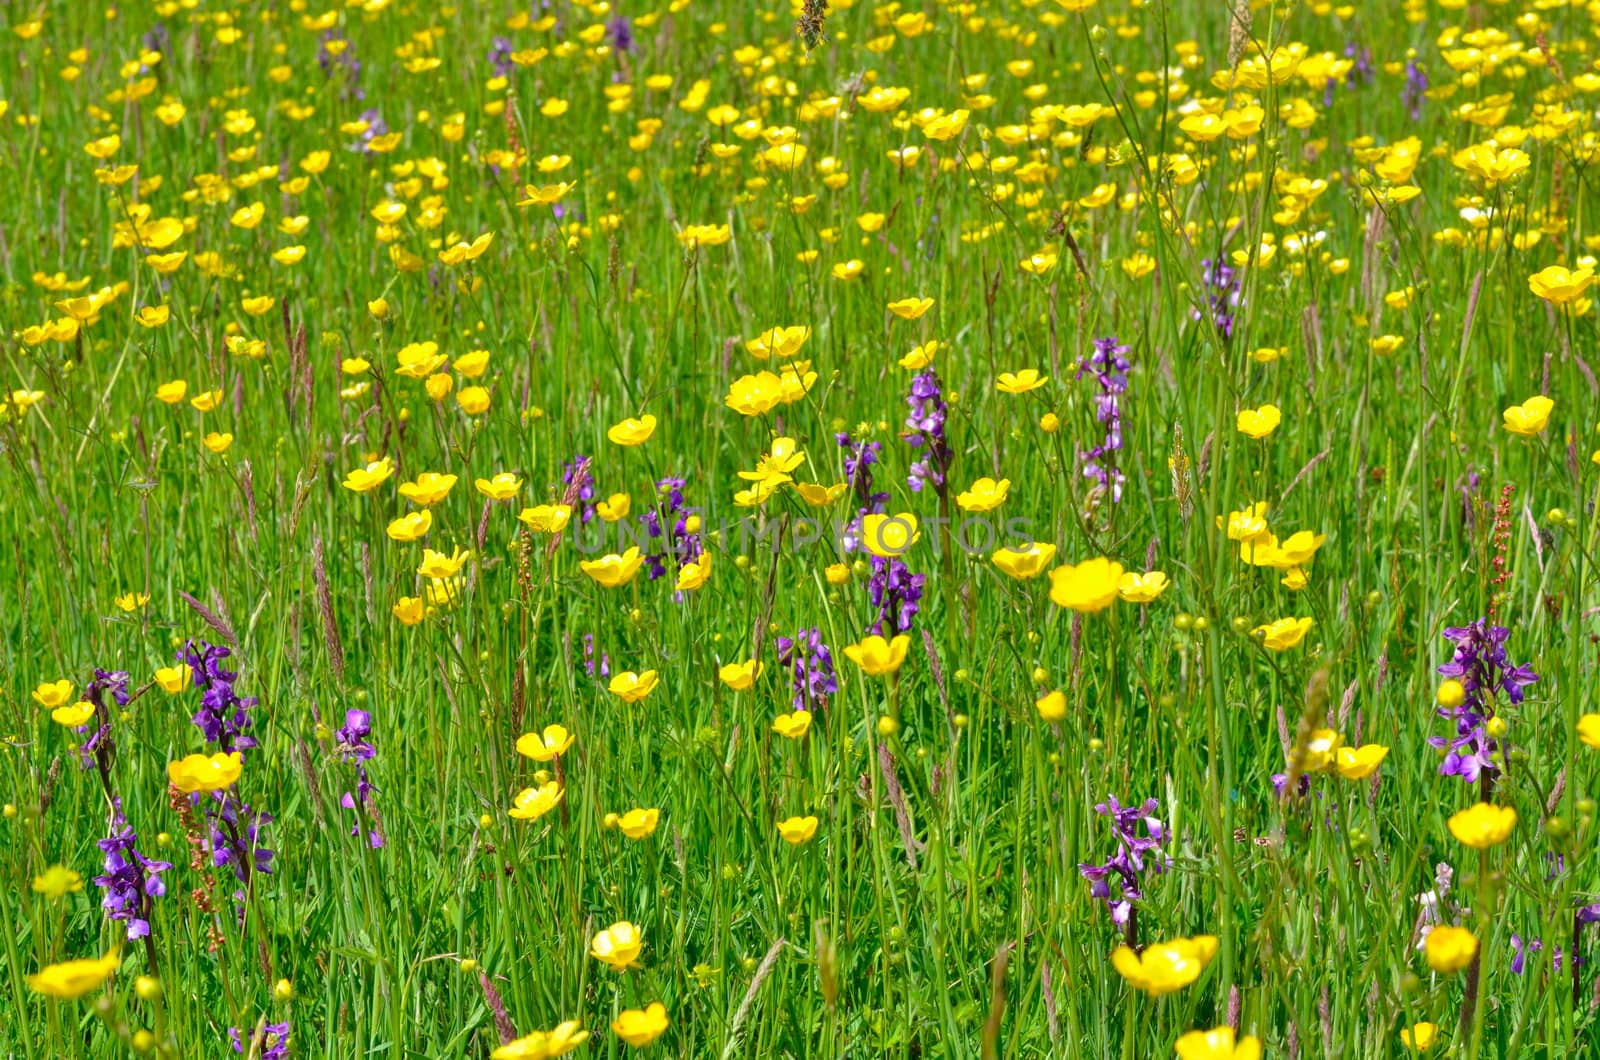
{"x":1582,"y":917}
{"x":1223,"y":295}
{"x":129,"y":878}
{"x":376,"y":127}
{"x":107,"y":684}
{"x":925,"y":431}
{"x":896,"y":593}
{"x":578,"y":483}
{"x":1485,"y":671}
{"x":1140,"y":834}
{"x":676,"y":541}
{"x":353,"y":746}
{"x":236,"y":839}
{"x":274,"y":1041}
{"x":224,"y":719}
{"x":858,"y":460}
{"x":224,"y":715}
{"x":810,"y":664}
{"x":619,"y":31}
{"x":499,"y":57}
{"x":341,"y":62}
{"x":1109,"y":365}
{"x":589,"y":659}
{"x":1416,"y":89}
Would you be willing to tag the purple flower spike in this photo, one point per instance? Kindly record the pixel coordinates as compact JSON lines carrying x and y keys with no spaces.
{"x":1109,"y":365}
{"x":1481,"y":665}
{"x":1140,"y":835}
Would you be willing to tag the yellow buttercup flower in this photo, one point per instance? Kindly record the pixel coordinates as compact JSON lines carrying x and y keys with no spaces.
{"x":640,"y":1027}
{"x":877,"y":656}
{"x":985,"y":495}
{"x":782,"y":343}
{"x":1020,"y":382}
{"x":1385,"y":345}
{"x":1490,"y":165}
{"x":51,"y":694}
{"x":366,"y":479}
{"x":740,"y":675}
{"x":1282,"y":634}
{"x":614,"y":507}
{"x":1052,"y":707}
{"x":1529,"y":418}
{"x":428,"y":489}
{"x":1450,"y":949}
{"x":920,"y":356}
{"x":1089,"y":587}
{"x":409,"y":610}
{"x":418,"y":360}
{"x":153,"y":316}
{"x":1558,"y":285}
{"x":472,"y":365}
{"x":1589,"y":730}
{"x":73,"y":979}
{"x":56,"y":882}
{"x":1419,"y":1037}
{"x":74,"y":716}
{"x":631,"y":432}
{"x":1040,"y":263}
{"x":613,"y":570}
{"x":174,"y":679}
{"x":889,"y":536}
{"x":910,"y":308}
{"x":130,"y":601}
{"x":638,"y":823}
{"x":543,"y":1045}
{"x":1483,"y":825}
{"x":792,"y":726}
{"x":410,"y":527}
{"x":1142,"y":588}
{"x":437,"y":565}
{"x":1165,"y":967}
{"x":631,"y":687}
{"x":753,"y":395}
{"x":544,"y":194}
{"x":546,"y":518}
{"x":1024,"y":563}
{"x":1320,"y":748}
{"x":461,"y":252}
{"x":205,"y":772}
{"x":692,"y":236}
{"x":1219,"y":1043}
{"x":618,"y":946}
{"x":1247,"y":525}
{"x":694,"y":574}
{"x":945,"y":126}
{"x":501,"y":487}
{"x":1358,"y":763}
{"x":797,"y":830}
{"x":542,"y":746}
{"x":819,"y":496}
{"x":1258,"y":423}
{"x":530,"y":804}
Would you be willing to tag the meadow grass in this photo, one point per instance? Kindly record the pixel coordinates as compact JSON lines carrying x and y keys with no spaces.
{"x":1305,"y":291}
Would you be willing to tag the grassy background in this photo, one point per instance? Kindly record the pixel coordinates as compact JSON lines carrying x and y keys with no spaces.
{"x":980,"y":935}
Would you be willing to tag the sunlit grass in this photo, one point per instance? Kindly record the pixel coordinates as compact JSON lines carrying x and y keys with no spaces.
{"x":1019,"y":529}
